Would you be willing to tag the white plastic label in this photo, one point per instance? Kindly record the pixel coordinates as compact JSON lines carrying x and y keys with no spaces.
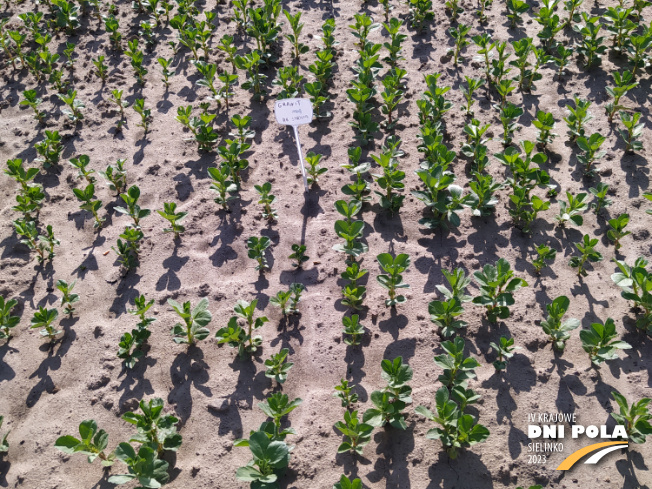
{"x":293,"y":111}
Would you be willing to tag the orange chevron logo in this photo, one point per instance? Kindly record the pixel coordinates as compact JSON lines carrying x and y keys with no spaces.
{"x":601,"y":450}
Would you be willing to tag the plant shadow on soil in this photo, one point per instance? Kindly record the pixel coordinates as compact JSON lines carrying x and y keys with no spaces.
{"x":188,"y":370}
{"x":250,"y":386}
{"x":52,"y":362}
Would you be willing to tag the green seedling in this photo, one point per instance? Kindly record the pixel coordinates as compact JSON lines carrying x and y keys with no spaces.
{"x":545,"y":123}
{"x":617,"y":231}
{"x":297,"y":26}
{"x":601,"y":200}
{"x":544,"y":253}
{"x":554,"y":327}
{"x":231,"y":153}
{"x":458,"y":369}
{"x":483,"y":200}
{"x":227,"y":46}
{"x":155,"y":429}
{"x":637,"y":48}
{"x":50,"y":149}
{"x":345,"y":482}
{"x":590,"y":147}
{"x":460,"y":37}
{"x":251,"y":64}
{"x":458,"y":430}
{"x":222,"y":185}
{"x":421,"y":12}
{"x":74,"y":105}
{"x":632,"y":131}
{"x":87,"y":197}
{"x":298,"y":255}
{"x":353,"y":294}
{"x":266,"y":200}
{"x":4,"y":444}
{"x":92,"y":442}
{"x":623,"y":83}
{"x":170,"y":213}
{"x":81,"y":163}
{"x":7,"y":321}
{"x":167,"y":72}
{"x":497,"y":284}
{"x":588,"y":253}
{"x":145,"y":114}
{"x":352,"y":329}
{"x":100,"y":67}
{"x":269,"y":458}
{"x":591,"y":46}
{"x":136,"y":56}
{"x":43,"y":318}
{"x":458,"y":282}
{"x":444,"y":314}
{"x":393,"y":267}
{"x":235,"y":336}
{"x":286,"y":300}
{"x":485,"y":52}
{"x":343,"y":392}
{"x":116,"y":98}
{"x":129,"y":249}
{"x":133,"y":209}
{"x":194,"y":321}
{"x":256,"y":248}
{"x":116,"y":176}
{"x":277,"y":366}
{"x":276,"y":406}
{"x":130,"y":346}
{"x":472,"y":84}
{"x":143,"y":466}
{"x":68,"y":298}
{"x":32,"y":100}
{"x":357,"y":434}
{"x":515,"y":10}
{"x":243,"y":128}
{"x":505,"y":350}
{"x":314,"y":169}
{"x":635,"y":417}
{"x":33,"y":240}
{"x":573,"y":210}
{"x":601,"y":342}
{"x":391,"y":401}
{"x":562,"y":59}
{"x":578,"y":117}
{"x":509,"y":116}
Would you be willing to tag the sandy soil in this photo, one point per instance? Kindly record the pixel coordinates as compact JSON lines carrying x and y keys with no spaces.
{"x":47,"y":392}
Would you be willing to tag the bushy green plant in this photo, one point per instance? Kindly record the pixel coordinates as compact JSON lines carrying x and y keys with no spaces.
{"x":256,"y":249}
{"x":278,"y":367}
{"x":601,"y":342}
{"x":497,"y":284}
{"x":7,"y":321}
{"x":554,"y":327}
{"x":588,"y":253}
{"x":393,"y":399}
{"x":544,"y":253}
{"x":393,"y":267}
{"x":43,"y":318}
{"x":92,"y":443}
{"x":504,"y":350}
{"x":343,"y":392}
{"x":155,"y":429}
{"x":357,"y":433}
{"x":237,"y":337}
{"x":635,"y":417}
{"x":194,"y":319}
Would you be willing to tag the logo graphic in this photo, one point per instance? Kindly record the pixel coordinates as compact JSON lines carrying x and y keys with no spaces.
{"x":600,"y":449}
